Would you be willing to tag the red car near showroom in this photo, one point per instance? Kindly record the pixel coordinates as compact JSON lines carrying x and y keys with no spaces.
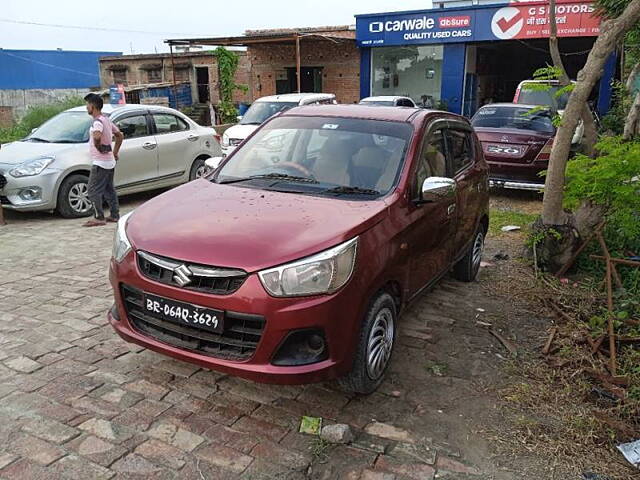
{"x":291,"y":262}
{"x":516,"y":140}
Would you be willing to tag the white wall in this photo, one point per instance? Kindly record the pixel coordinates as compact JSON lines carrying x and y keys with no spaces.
{"x":20,"y":100}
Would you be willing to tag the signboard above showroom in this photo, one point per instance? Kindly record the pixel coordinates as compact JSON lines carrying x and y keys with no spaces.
{"x":476,"y":24}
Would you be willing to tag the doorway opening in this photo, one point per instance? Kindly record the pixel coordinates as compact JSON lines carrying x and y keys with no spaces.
{"x":202,"y":80}
{"x":494,"y":69}
{"x":310,"y":81}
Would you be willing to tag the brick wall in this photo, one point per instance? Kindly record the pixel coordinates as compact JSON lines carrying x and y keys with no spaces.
{"x":137,"y":71}
{"x":6,"y":116}
{"x":340,"y":62}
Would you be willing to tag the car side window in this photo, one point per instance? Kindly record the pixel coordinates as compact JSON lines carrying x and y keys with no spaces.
{"x":460,"y":148}
{"x":133,"y":127}
{"x":432,"y":161}
{"x":167,"y":123}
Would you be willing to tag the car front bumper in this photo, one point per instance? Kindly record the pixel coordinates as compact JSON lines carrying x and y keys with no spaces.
{"x":515,"y":185}
{"x":336,"y":316}
{"x":16,"y":193}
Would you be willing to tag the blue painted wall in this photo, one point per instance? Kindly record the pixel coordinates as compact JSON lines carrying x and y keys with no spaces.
{"x":453,"y":76}
{"x":49,"y":69}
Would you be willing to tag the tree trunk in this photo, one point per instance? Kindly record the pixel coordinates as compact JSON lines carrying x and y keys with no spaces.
{"x":632,"y":122}
{"x":611,"y":31}
{"x":590,"y":130}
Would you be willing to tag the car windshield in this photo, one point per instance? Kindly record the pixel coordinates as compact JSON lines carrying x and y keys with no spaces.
{"x":384,"y":103}
{"x":320,"y":155}
{"x":513,"y":117}
{"x":261,"y":111}
{"x":66,"y":127}
{"x":549,"y":97}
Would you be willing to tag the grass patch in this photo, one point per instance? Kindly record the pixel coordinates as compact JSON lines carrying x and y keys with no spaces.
{"x":499,"y":217}
{"x":35,"y":117}
{"x":319,"y":450}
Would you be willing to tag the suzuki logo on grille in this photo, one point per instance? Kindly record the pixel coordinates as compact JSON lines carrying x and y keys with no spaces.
{"x":182,"y":275}
{"x":504,"y":139}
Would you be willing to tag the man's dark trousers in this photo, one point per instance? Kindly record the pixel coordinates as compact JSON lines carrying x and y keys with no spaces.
{"x":101,"y":188}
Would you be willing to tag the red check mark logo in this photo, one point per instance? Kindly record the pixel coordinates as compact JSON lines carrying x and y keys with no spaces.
{"x":505,"y":24}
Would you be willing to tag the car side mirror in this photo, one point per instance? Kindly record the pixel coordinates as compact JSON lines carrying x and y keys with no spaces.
{"x":435,"y":189}
{"x":212,"y":163}
{"x":239,"y":117}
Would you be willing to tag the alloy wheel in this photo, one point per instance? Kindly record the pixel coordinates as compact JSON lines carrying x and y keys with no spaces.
{"x":79,"y":198}
{"x":201,"y":171}
{"x":478,"y":248}
{"x":380,"y":343}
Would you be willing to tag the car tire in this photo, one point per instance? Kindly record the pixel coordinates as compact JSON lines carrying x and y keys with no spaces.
{"x":378,"y":329}
{"x":466,"y":270}
{"x":198,"y":168}
{"x":72,"y":197}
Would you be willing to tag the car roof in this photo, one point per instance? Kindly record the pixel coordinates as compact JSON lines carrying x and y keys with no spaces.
{"x":513,"y":105}
{"x":384,"y":98}
{"x":296,"y":97}
{"x":109,"y":109}
{"x":392,"y":114}
{"x":543,"y":81}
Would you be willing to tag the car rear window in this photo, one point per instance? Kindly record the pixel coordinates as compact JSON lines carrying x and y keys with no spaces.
{"x":535,"y":96}
{"x":513,"y":117}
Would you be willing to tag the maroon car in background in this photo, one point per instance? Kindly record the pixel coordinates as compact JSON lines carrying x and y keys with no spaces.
{"x":292,"y":261}
{"x":516,"y":140}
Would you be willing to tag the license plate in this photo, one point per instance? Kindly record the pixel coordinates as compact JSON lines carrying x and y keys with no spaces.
{"x":504,"y":149}
{"x":184,"y":313}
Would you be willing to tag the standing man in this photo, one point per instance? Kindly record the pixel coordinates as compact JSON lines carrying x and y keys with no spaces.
{"x":104,"y":159}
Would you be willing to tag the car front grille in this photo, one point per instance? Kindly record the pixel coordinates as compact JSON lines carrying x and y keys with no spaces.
{"x":4,"y":200}
{"x":238,"y":341}
{"x":219,"y":281}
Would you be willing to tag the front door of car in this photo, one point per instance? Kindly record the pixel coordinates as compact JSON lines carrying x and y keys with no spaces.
{"x":177,"y":144}
{"x":468,"y":174}
{"x":138,"y":162}
{"x":431,"y":221}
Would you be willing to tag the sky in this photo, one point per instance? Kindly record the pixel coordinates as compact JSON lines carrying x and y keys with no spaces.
{"x":85,"y":25}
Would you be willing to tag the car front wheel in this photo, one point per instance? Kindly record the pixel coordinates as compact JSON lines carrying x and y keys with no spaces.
{"x":375,"y":345}
{"x":466,"y":270}
{"x":198,"y":169}
{"x":73,"y":197}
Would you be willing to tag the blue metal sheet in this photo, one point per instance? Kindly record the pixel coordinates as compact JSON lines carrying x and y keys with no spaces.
{"x":49,"y":69}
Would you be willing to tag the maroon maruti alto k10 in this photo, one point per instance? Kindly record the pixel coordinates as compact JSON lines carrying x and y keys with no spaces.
{"x":291,"y":262}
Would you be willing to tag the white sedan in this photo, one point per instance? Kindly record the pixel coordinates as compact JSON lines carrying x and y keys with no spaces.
{"x":49,"y":169}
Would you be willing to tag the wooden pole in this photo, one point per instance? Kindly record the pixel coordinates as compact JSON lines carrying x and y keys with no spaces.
{"x":173,"y":74}
{"x":605,"y":252}
{"x":612,"y":335}
{"x":298,"y":61}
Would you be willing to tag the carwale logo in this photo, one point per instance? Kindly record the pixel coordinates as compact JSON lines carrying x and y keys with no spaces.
{"x":376,"y":27}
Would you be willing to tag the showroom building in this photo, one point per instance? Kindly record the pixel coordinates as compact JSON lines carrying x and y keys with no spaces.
{"x":461,"y":58}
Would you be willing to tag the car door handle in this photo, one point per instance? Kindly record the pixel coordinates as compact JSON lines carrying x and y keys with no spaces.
{"x":451,"y":208}
{"x":192,"y":137}
{"x":149,"y":145}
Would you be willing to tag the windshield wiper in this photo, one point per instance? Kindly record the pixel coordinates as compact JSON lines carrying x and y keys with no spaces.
{"x":274,"y":176}
{"x":36,"y":139}
{"x":346,"y":190}
{"x":250,"y":123}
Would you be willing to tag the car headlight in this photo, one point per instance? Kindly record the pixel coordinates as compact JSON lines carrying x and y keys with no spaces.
{"x":322,"y":273}
{"x":31,"y":167}
{"x":121,"y":244}
{"x":225,"y":140}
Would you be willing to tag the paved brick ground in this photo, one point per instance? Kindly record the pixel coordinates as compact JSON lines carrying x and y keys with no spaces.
{"x":77,"y":402}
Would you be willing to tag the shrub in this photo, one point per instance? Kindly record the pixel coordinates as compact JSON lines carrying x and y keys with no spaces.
{"x":612,"y":180}
{"x":35,"y":117}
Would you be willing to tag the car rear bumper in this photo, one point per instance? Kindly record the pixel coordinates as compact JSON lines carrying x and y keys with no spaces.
{"x":516,"y":185}
{"x":335,"y":316}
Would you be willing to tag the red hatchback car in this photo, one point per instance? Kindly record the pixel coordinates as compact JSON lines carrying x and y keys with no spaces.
{"x":516,"y":140}
{"x":291,"y":262}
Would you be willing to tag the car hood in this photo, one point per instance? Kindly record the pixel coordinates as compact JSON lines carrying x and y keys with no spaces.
{"x":241,"y":131}
{"x":18,"y":152}
{"x":231,"y":226}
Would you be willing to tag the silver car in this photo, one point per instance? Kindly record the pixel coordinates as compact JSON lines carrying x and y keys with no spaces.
{"x":49,"y":169}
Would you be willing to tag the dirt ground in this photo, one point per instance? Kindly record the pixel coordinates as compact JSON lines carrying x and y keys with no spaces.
{"x":76,"y":397}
